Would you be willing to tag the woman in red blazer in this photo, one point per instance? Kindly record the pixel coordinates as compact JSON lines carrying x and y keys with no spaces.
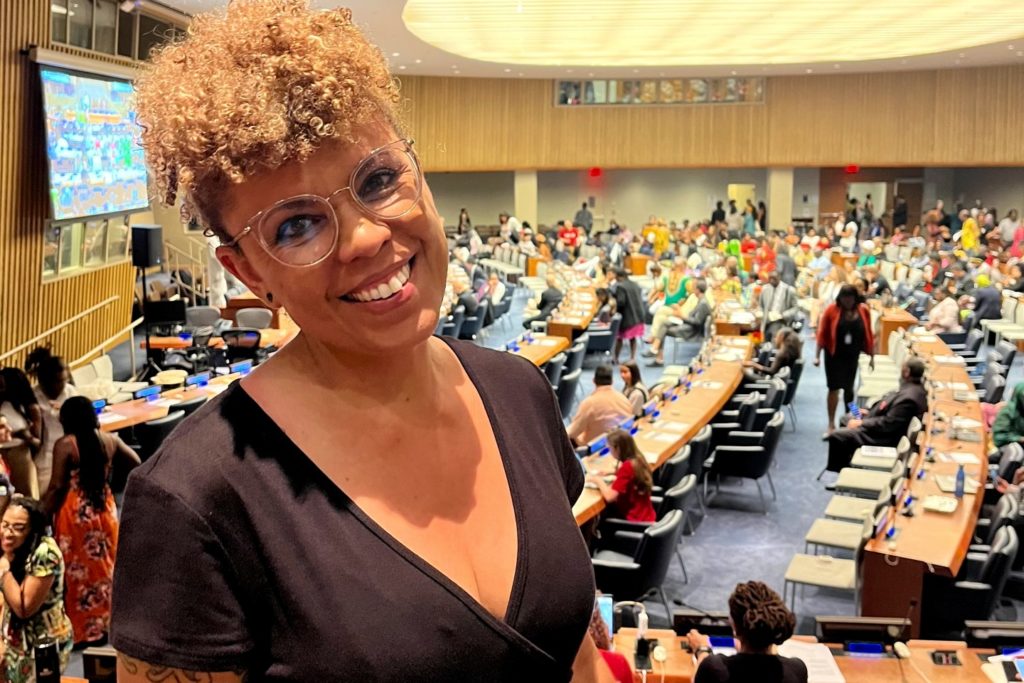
{"x":844,"y":332}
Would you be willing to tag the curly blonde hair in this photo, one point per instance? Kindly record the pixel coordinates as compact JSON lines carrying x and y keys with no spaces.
{"x":250,"y":88}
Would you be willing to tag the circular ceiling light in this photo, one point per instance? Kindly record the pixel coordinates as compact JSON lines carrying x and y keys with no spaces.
{"x":699,"y":33}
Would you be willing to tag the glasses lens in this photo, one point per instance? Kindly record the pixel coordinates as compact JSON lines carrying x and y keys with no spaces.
{"x":299,"y":231}
{"x":388,"y":183}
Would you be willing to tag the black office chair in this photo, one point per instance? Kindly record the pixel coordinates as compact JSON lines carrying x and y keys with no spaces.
{"x":576,"y":355}
{"x":151,"y":435}
{"x":992,"y":389}
{"x":672,"y":470}
{"x":553,"y":369}
{"x":971,"y":346}
{"x":774,"y":393}
{"x":1005,"y":512}
{"x":191,"y":406}
{"x":474,"y":324}
{"x":196,"y":357}
{"x":700,"y":449}
{"x":741,"y":419}
{"x":973,"y":594}
{"x":566,"y":391}
{"x":1008,"y":351}
{"x":242,"y":343}
{"x":623,"y":535}
{"x":453,"y":326}
{"x":747,"y":455}
{"x":637,"y":575}
{"x":602,"y":341}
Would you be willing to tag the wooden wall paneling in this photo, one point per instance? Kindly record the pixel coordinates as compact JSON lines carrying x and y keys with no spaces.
{"x":27,"y":305}
{"x":833,"y":181}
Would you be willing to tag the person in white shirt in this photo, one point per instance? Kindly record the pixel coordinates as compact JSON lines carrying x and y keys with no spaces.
{"x":53,"y":388}
{"x":945,"y":314}
{"x":495,"y":289}
{"x":1008,"y":228}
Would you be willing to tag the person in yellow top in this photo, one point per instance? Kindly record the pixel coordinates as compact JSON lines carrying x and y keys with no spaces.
{"x":970,"y":235}
{"x":662,"y":235}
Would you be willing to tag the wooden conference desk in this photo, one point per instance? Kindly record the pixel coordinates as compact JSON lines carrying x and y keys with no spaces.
{"x":636,"y":264}
{"x":248,"y":300}
{"x":574,"y":315}
{"x":544,"y":348}
{"x":890,"y":320}
{"x":130,"y":413}
{"x":928,"y":541}
{"x":693,"y":410}
{"x":679,"y":666}
{"x":282,"y":331}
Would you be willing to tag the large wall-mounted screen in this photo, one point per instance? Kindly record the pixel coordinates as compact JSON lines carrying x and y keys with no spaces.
{"x":96,"y":165}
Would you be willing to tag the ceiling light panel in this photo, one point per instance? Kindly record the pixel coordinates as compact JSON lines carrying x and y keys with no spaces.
{"x":707,"y":32}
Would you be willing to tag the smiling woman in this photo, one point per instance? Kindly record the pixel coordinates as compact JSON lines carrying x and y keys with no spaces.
{"x":302,"y":525}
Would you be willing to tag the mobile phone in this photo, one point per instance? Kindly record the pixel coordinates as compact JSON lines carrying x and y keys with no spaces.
{"x":605,"y":607}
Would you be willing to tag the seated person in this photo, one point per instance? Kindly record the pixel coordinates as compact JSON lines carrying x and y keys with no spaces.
{"x":633,"y":386}
{"x":630,"y":494}
{"x":987,"y":301}
{"x":760,"y":622}
{"x":886,"y":421}
{"x":600,"y":412}
{"x":605,"y":309}
{"x":616,"y":661}
{"x":788,"y":349}
{"x":549,"y":300}
{"x":691,"y":326}
{"x":465,"y":297}
{"x":944,"y":316}
{"x":1009,"y":424}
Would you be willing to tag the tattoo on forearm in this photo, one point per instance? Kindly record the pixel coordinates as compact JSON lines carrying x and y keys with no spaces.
{"x":163,"y":674}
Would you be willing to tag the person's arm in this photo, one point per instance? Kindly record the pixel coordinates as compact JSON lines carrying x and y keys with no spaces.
{"x":609,"y":494}
{"x":60,"y":478}
{"x":26,"y":598}
{"x":1003,"y":429}
{"x":124,"y":455}
{"x":575,"y":428}
{"x":900,"y":412}
{"x":34,"y":434}
{"x":588,"y":667}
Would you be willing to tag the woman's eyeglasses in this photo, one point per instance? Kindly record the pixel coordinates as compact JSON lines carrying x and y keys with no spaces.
{"x":303,"y":230}
{"x":16,"y":528}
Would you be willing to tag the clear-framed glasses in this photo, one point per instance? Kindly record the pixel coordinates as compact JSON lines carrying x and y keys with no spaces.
{"x":303,"y":230}
{"x":16,"y":528}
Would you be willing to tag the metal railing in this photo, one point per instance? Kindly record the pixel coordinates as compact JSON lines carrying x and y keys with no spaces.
{"x":57,"y":328}
{"x":197,"y":262}
{"x":114,"y":339}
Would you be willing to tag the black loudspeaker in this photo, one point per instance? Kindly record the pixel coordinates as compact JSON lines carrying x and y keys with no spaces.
{"x":147,"y":245}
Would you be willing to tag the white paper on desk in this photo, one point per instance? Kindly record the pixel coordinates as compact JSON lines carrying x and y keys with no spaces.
{"x":742,"y":318}
{"x":949,"y":360}
{"x":166,"y":402}
{"x":662,"y":438}
{"x":707,"y":384}
{"x":963,"y":458}
{"x":215,"y":388}
{"x":651,"y":455}
{"x":727,"y":357}
{"x":821,"y":665}
{"x":947,"y":484}
{"x":548,"y":342}
{"x":924,"y":337}
{"x":965,"y":423}
{"x":736,"y":341}
{"x":107,"y":418}
{"x":674,"y":427}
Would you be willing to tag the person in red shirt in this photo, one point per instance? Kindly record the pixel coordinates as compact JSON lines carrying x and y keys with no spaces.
{"x":570,"y":236}
{"x":748,"y":245}
{"x":630,"y":493}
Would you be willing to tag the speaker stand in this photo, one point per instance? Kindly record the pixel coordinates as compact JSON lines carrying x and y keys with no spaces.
{"x":151,"y":369}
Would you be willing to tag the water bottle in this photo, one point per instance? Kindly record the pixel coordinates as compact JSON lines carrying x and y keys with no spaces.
{"x":855,"y":410}
{"x":47,"y":662}
{"x":960,"y":479}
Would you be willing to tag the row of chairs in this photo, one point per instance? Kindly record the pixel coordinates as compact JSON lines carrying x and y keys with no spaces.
{"x":462,"y":326}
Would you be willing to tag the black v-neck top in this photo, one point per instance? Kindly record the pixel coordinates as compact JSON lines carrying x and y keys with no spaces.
{"x":237,"y":552}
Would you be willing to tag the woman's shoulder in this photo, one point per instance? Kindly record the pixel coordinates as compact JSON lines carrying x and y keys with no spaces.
{"x":495,"y":369}
{"x":46,"y":558}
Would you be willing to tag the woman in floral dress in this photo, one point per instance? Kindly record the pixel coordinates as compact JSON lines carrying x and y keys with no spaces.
{"x":32,"y":582}
{"x":86,"y":523}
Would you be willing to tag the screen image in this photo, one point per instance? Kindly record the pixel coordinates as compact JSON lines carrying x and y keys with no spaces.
{"x":96,"y":165}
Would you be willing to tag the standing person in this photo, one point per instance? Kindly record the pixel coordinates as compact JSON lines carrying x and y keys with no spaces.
{"x":899,"y":212}
{"x":20,"y":407}
{"x":784,"y":263}
{"x":297,"y":161}
{"x":600,"y":412}
{"x":584,"y":219}
{"x":718,"y":215}
{"x":633,"y":386}
{"x":1008,"y":228}
{"x":987,"y":301}
{"x":760,"y":621}
{"x":762,"y":216}
{"x":779,"y":306}
{"x":86,"y":524}
{"x":630,"y":493}
{"x":53,"y":388}
{"x":734,"y":221}
{"x":32,"y":583}
{"x":465,"y":224}
{"x":629,"y":303}
{"x":844,"y":332}
{"x":749,"y":218}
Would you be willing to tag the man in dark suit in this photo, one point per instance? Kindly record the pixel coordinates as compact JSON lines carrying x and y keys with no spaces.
{"x":886,"y":421}
{"x":779,"y":305}
{"x":549,"y":300}
{"x":688,"y":328}
{"x":988,"y":302}
{"x":718,"y":215}
{"x":785,"y":266}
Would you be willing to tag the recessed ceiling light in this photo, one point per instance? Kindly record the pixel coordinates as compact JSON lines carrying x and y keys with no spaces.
{"x":568,"y":71}
{"x":590,"y":75}
{"x":402,"y":66}
{"x":520,"y":73}
{"x":636,"y":71}
{"x":733,"y":72}
{"x":456,"y":71}
{"x":508,"y":70}
{"x":835,"y":66}
{"x":1010,"y":46}
{"x":810,"y":71}
{"x":396,"y":54}
{"x":419,"y":61}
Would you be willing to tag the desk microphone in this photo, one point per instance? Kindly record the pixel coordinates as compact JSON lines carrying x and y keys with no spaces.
{"x":903,"y":652}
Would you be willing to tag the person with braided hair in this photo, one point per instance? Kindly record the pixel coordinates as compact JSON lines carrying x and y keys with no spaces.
{"x":760,"y":622}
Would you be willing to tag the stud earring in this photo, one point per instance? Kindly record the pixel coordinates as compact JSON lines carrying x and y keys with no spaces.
{"x":270,"y":297}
